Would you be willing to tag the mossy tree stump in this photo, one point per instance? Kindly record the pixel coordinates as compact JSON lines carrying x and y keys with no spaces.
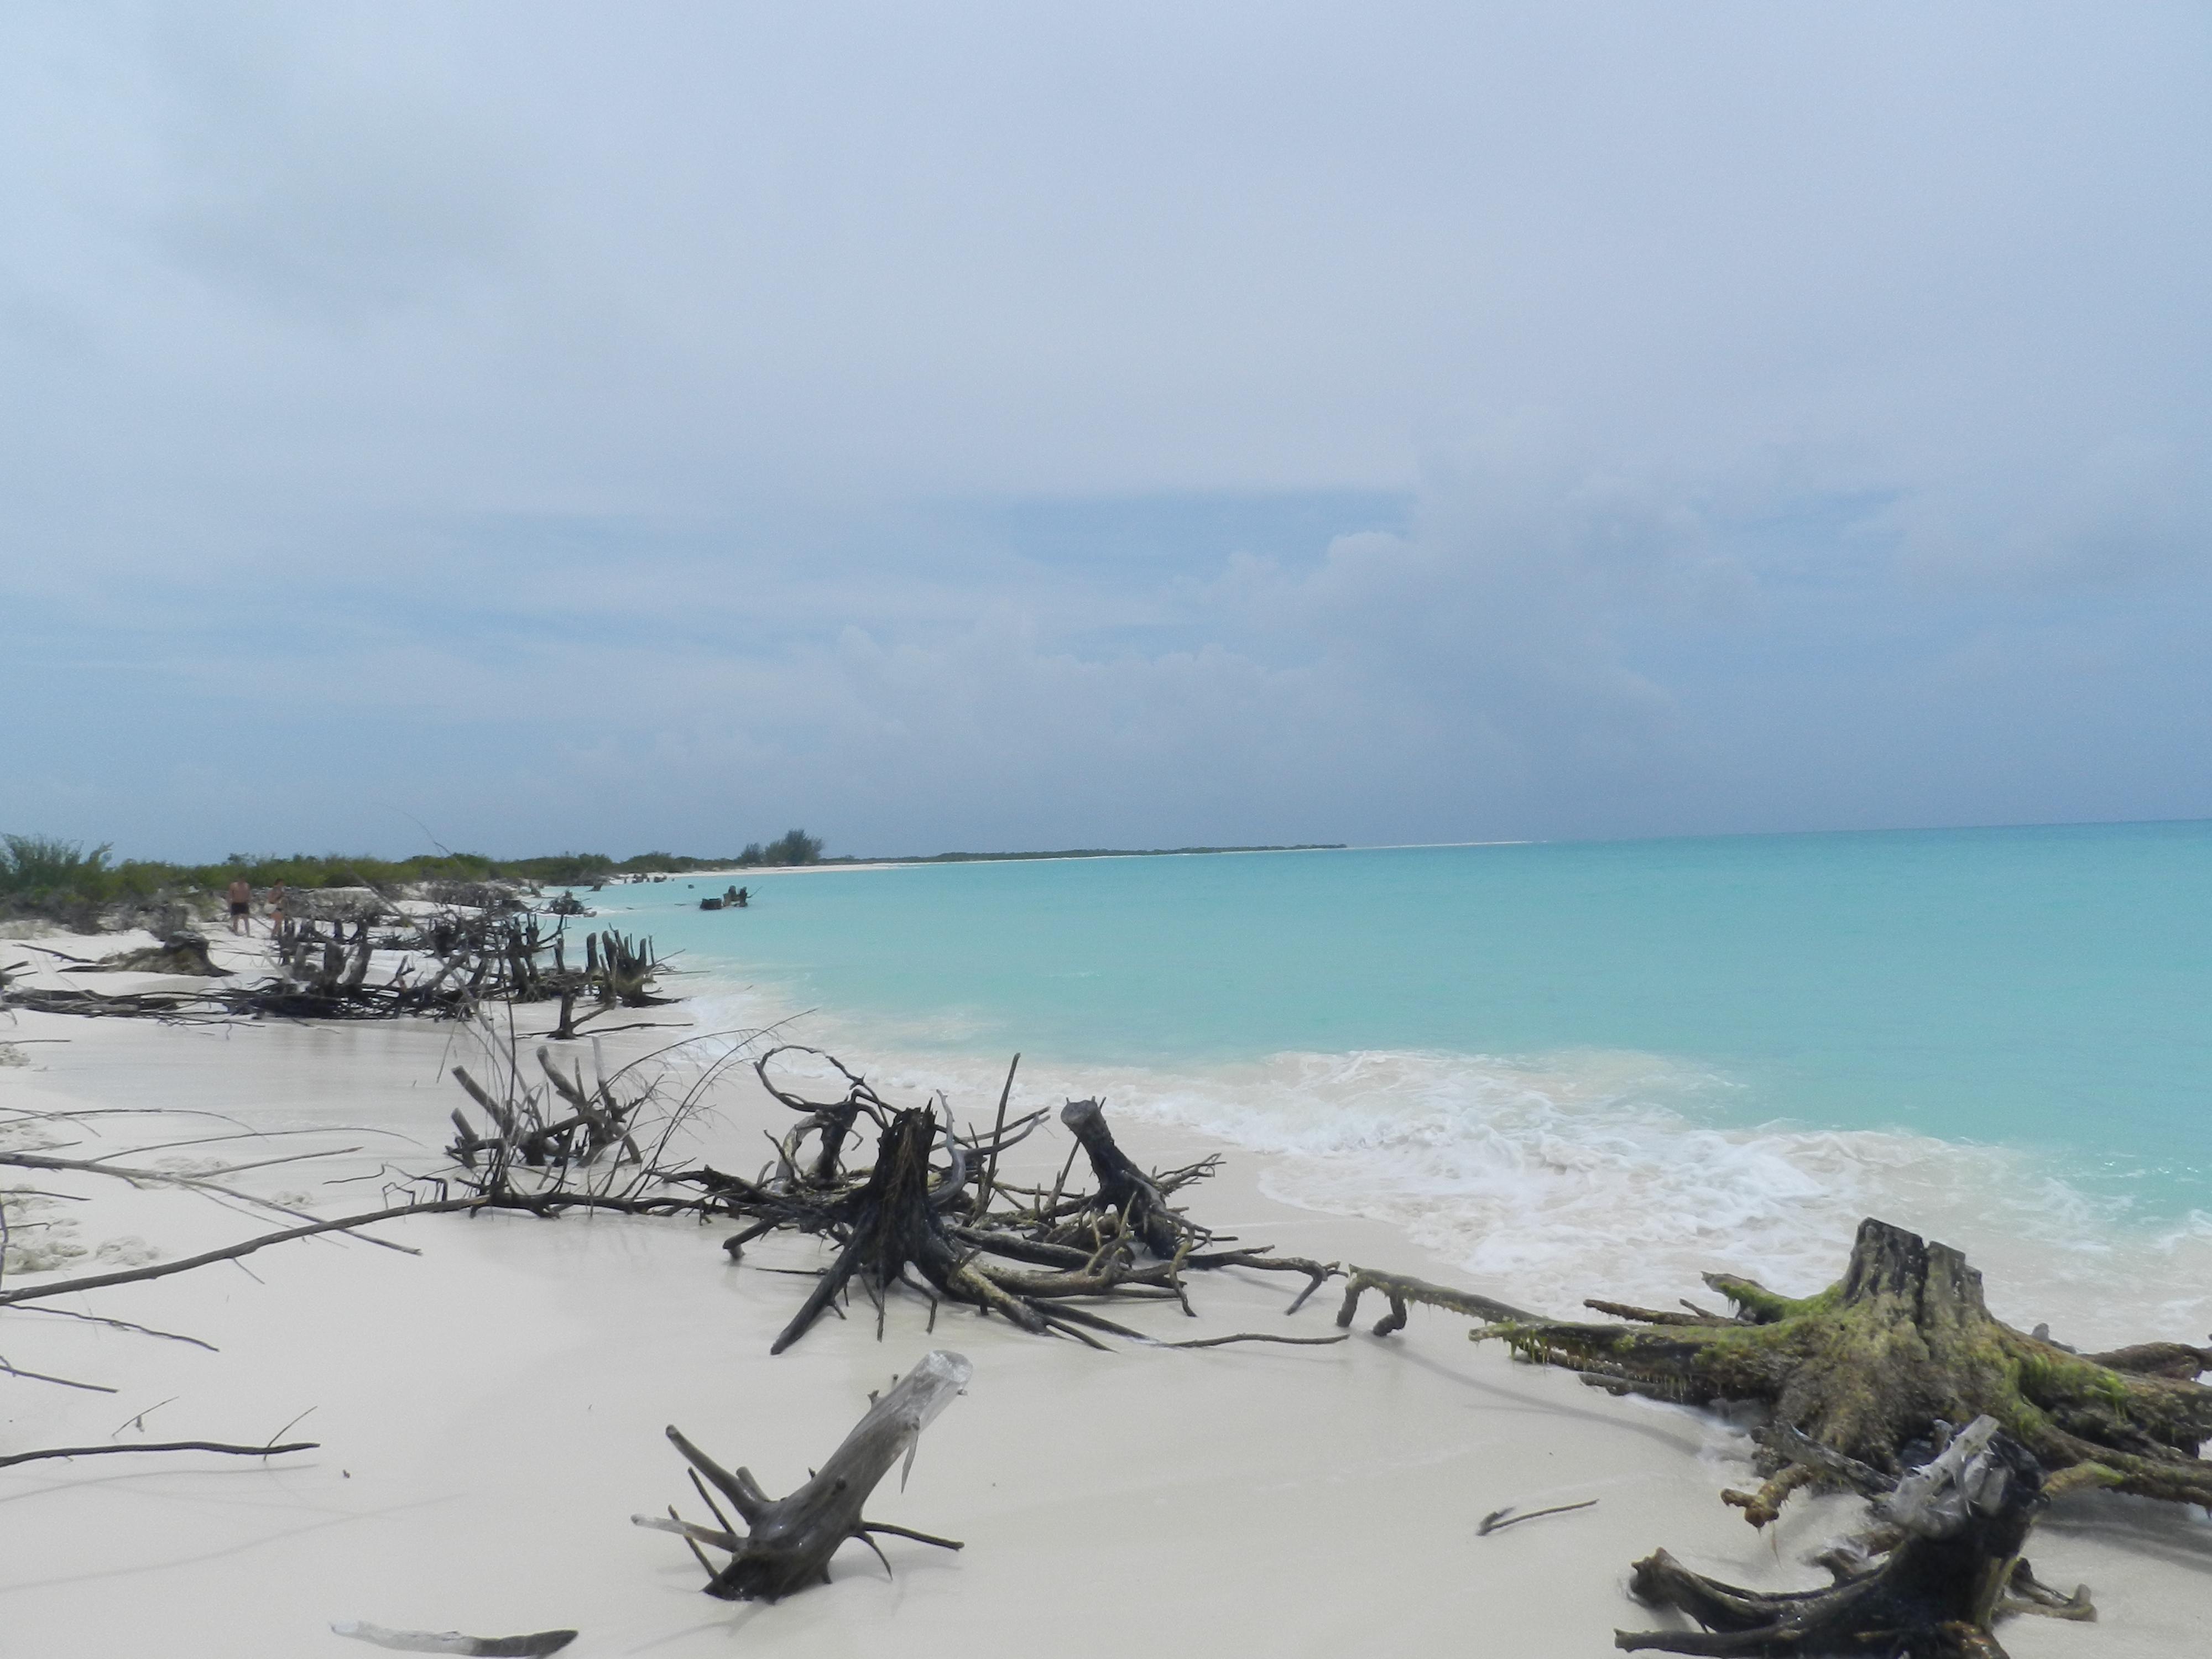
{"x":1861,"y":1376}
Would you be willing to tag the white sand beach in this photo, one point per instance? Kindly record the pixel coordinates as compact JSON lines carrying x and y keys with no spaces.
{"x":489,"y":1415}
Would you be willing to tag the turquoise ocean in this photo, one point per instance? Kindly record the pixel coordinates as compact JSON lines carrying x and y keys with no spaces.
{"x":1583,"y":1068}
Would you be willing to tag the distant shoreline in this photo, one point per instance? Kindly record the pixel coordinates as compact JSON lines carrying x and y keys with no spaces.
{"x":851,"y":861}
{"x":1090,"y":853}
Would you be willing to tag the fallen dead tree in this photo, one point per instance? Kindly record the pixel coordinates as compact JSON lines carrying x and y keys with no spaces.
{"x":1865,"y":1372}
{"x":785,"y":1544}
{"x":1959,"y":1523}
{"x":954,"y":1231}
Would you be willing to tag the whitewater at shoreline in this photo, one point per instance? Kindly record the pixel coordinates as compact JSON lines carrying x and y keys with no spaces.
{"x":1542,"y":1182}
{"x":490,"y":1411}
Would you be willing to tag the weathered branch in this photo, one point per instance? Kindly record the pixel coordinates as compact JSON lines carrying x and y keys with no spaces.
{"x":160,"y":1446}
{"x":788,"y":1542}
{"x":1402,"y":1290}
{"x":231,"y":1253}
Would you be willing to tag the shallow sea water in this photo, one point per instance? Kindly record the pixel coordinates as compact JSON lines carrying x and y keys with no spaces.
{"x":1574,"y":1065}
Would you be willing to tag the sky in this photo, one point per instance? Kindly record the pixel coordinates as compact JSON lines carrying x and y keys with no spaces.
{"x":538,"y":427}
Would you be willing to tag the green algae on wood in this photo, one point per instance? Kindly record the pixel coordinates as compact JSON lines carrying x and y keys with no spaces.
{"x":1870,"y":1368}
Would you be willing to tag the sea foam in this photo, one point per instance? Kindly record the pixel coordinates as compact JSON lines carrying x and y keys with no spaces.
{"x":1549,"y":1179}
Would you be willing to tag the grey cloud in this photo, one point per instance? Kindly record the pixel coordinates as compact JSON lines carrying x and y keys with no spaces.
{"x":984,"y":425}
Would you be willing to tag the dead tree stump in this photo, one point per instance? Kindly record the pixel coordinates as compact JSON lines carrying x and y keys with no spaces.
{"x":1865,"y":1373}
{"x":1963,"y":1518}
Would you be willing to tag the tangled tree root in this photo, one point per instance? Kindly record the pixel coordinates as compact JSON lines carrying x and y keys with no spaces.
{"x":1868,"y":1372}
{"x":909,"y":1220}
{"x":1961,"y":1522}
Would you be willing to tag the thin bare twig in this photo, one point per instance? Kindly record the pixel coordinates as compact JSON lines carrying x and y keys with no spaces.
{"x":1498,"y":1520}
{"x":163,"y":1446}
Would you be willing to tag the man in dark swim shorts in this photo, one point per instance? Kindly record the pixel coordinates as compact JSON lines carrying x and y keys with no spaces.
{"x":242,"y":907}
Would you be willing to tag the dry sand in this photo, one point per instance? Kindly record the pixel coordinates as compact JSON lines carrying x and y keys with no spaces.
{"x":490,"y":1414}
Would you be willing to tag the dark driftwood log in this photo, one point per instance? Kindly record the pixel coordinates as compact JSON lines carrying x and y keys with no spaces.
{"x":1123,"y":1189}
{"x":1962,"y":1517}
{"x":1869,"y":1367}
{"x":787,"y":1542}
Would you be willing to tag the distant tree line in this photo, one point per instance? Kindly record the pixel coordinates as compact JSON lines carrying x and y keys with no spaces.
{"x":47,"y":876}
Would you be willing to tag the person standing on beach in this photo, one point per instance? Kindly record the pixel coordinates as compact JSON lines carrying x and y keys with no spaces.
{"x":276,"y":906}
{"x":242,"y":907}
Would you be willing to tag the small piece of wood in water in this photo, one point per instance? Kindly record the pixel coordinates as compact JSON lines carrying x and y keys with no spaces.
{"x":452,"y":1641}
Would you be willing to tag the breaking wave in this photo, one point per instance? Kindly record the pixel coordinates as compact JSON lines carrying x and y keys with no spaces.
{"x":1551,"y":1178}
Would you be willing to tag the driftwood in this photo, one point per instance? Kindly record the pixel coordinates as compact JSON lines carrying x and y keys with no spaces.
{"x":829,"y":1122}
{"x":469,"y":959}
{"x":270,"y":1451}
{"x":452,"y":1641}
{"x":22,"y":1298}
{"x":1861,"y":1377}
{"x":786,"y":1543}
{"x":909,"y":1219}
{"x":1960,"y":1521}
{"x":10,"y":1296}
{"x":1498,"y":1520}
{"x":894,"y":1220}
{"x":1402,"y":1290}
{"x":561,"y":1123}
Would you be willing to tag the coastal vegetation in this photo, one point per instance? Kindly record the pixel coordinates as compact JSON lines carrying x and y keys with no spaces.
{"x":63,"y":881}
{"x":45,"y":875}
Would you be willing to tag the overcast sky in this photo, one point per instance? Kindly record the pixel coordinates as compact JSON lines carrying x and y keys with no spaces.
{"x":1028,"y":425}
